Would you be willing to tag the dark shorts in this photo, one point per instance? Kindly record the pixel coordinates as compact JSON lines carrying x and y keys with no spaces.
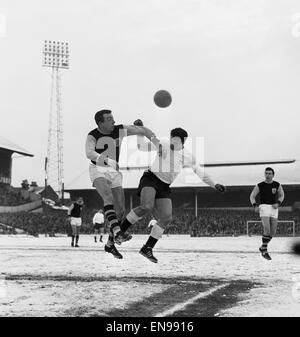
{"x":98,"y":225}
{"x":149,"y":179}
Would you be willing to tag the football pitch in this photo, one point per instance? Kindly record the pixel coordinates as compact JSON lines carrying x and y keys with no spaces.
{"x":194,"y":277}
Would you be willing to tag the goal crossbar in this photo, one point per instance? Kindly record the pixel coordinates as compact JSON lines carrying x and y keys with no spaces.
{"x":279,"y":221}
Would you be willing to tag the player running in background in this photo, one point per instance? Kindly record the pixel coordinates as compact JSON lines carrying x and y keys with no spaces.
{"x":103,"y":145}
{"x":74,"y":213}
{"x":271,"y":197}
{"x":98,"y":222}
{"x":154,"y":188}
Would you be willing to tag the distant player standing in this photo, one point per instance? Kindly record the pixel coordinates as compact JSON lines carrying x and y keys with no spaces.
{"x":271,"y":197}
{"x":154,"y":188}
{"x":74,"y":213}
{"x":103,"y":146}
{"x":98,"y":221}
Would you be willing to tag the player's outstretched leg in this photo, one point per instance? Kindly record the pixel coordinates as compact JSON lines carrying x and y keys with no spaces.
{"x":147,"y":203}
{"x":130,"y":220}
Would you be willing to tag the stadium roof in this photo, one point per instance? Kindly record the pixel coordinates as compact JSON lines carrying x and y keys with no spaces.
{"x":287,"y":174}
{"x":8,"y":145}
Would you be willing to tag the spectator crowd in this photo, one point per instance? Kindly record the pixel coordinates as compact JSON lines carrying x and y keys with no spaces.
{"x":11,"y":197}
{"x":209,"y":222}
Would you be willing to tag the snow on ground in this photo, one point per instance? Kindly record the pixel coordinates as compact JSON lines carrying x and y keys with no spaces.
{"x":46,"y":277}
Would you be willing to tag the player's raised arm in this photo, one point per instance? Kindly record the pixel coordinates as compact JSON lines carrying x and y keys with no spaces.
{"x":141,"y":131}
{"x":190,"y":161}
{"x":253,"y":196}
{"x":142,"y":144}
{"x":199,"y":170}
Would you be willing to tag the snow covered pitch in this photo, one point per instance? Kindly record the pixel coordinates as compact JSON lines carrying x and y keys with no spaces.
{"x":208,"y":276}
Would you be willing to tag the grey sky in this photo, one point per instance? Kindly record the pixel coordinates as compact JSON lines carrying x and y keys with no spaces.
{"x":232,"y":68}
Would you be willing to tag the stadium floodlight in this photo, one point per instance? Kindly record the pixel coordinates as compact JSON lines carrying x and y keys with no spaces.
{"x":56,"y":54}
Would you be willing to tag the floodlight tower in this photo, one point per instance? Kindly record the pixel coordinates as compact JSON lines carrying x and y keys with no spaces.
{"x":56,"y":56}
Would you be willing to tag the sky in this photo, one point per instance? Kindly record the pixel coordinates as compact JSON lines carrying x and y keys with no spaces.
{"x":232,"y":68}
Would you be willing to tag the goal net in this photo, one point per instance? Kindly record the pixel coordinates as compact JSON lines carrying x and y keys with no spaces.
{"x":284,"y":228}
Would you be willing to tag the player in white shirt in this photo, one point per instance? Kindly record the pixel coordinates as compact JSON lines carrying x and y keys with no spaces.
{"x":154,"y":188}
{"x":98,"y":221}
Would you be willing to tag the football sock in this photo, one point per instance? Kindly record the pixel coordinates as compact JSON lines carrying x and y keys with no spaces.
{"x":155,"y":235}
{"x":130,"y":220}
{"x":110,"y":240}
{"x":111,"y":216}
{"x":151,"y":242}
{"x":265,"y":240}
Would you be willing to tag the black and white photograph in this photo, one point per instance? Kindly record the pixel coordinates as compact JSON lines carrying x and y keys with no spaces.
{"x":150,"y":161}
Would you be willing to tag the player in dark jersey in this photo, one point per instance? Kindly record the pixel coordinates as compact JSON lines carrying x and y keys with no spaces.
{"x":103,"y":145}
{"x":271,"y":197}
{"x":74,"y":213}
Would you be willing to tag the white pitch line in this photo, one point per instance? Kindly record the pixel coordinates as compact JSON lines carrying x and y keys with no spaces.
{"x":181,"y":306}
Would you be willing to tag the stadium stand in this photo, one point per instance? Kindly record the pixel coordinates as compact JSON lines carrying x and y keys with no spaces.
{"x":11,"y":197}
{"x":228,"y":218}
{"x":210,"y":222}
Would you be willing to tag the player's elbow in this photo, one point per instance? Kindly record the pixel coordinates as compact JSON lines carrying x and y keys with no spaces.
{"x":89,"y":154}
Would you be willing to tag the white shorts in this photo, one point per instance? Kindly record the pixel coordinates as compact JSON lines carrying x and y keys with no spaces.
{"x":75,"y":222}
{"x":115,"y":178}
{"x":268,"y":211}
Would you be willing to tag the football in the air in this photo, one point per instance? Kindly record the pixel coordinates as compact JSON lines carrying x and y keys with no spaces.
{"x":162,"y":98}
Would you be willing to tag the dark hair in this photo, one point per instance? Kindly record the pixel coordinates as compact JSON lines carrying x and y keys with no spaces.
{"x":270,"y":169}
{"x":181,"y":133}
{"x":99,"y":115}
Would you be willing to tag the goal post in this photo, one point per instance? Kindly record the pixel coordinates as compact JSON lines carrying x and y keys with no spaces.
{"x":292,"y":222}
